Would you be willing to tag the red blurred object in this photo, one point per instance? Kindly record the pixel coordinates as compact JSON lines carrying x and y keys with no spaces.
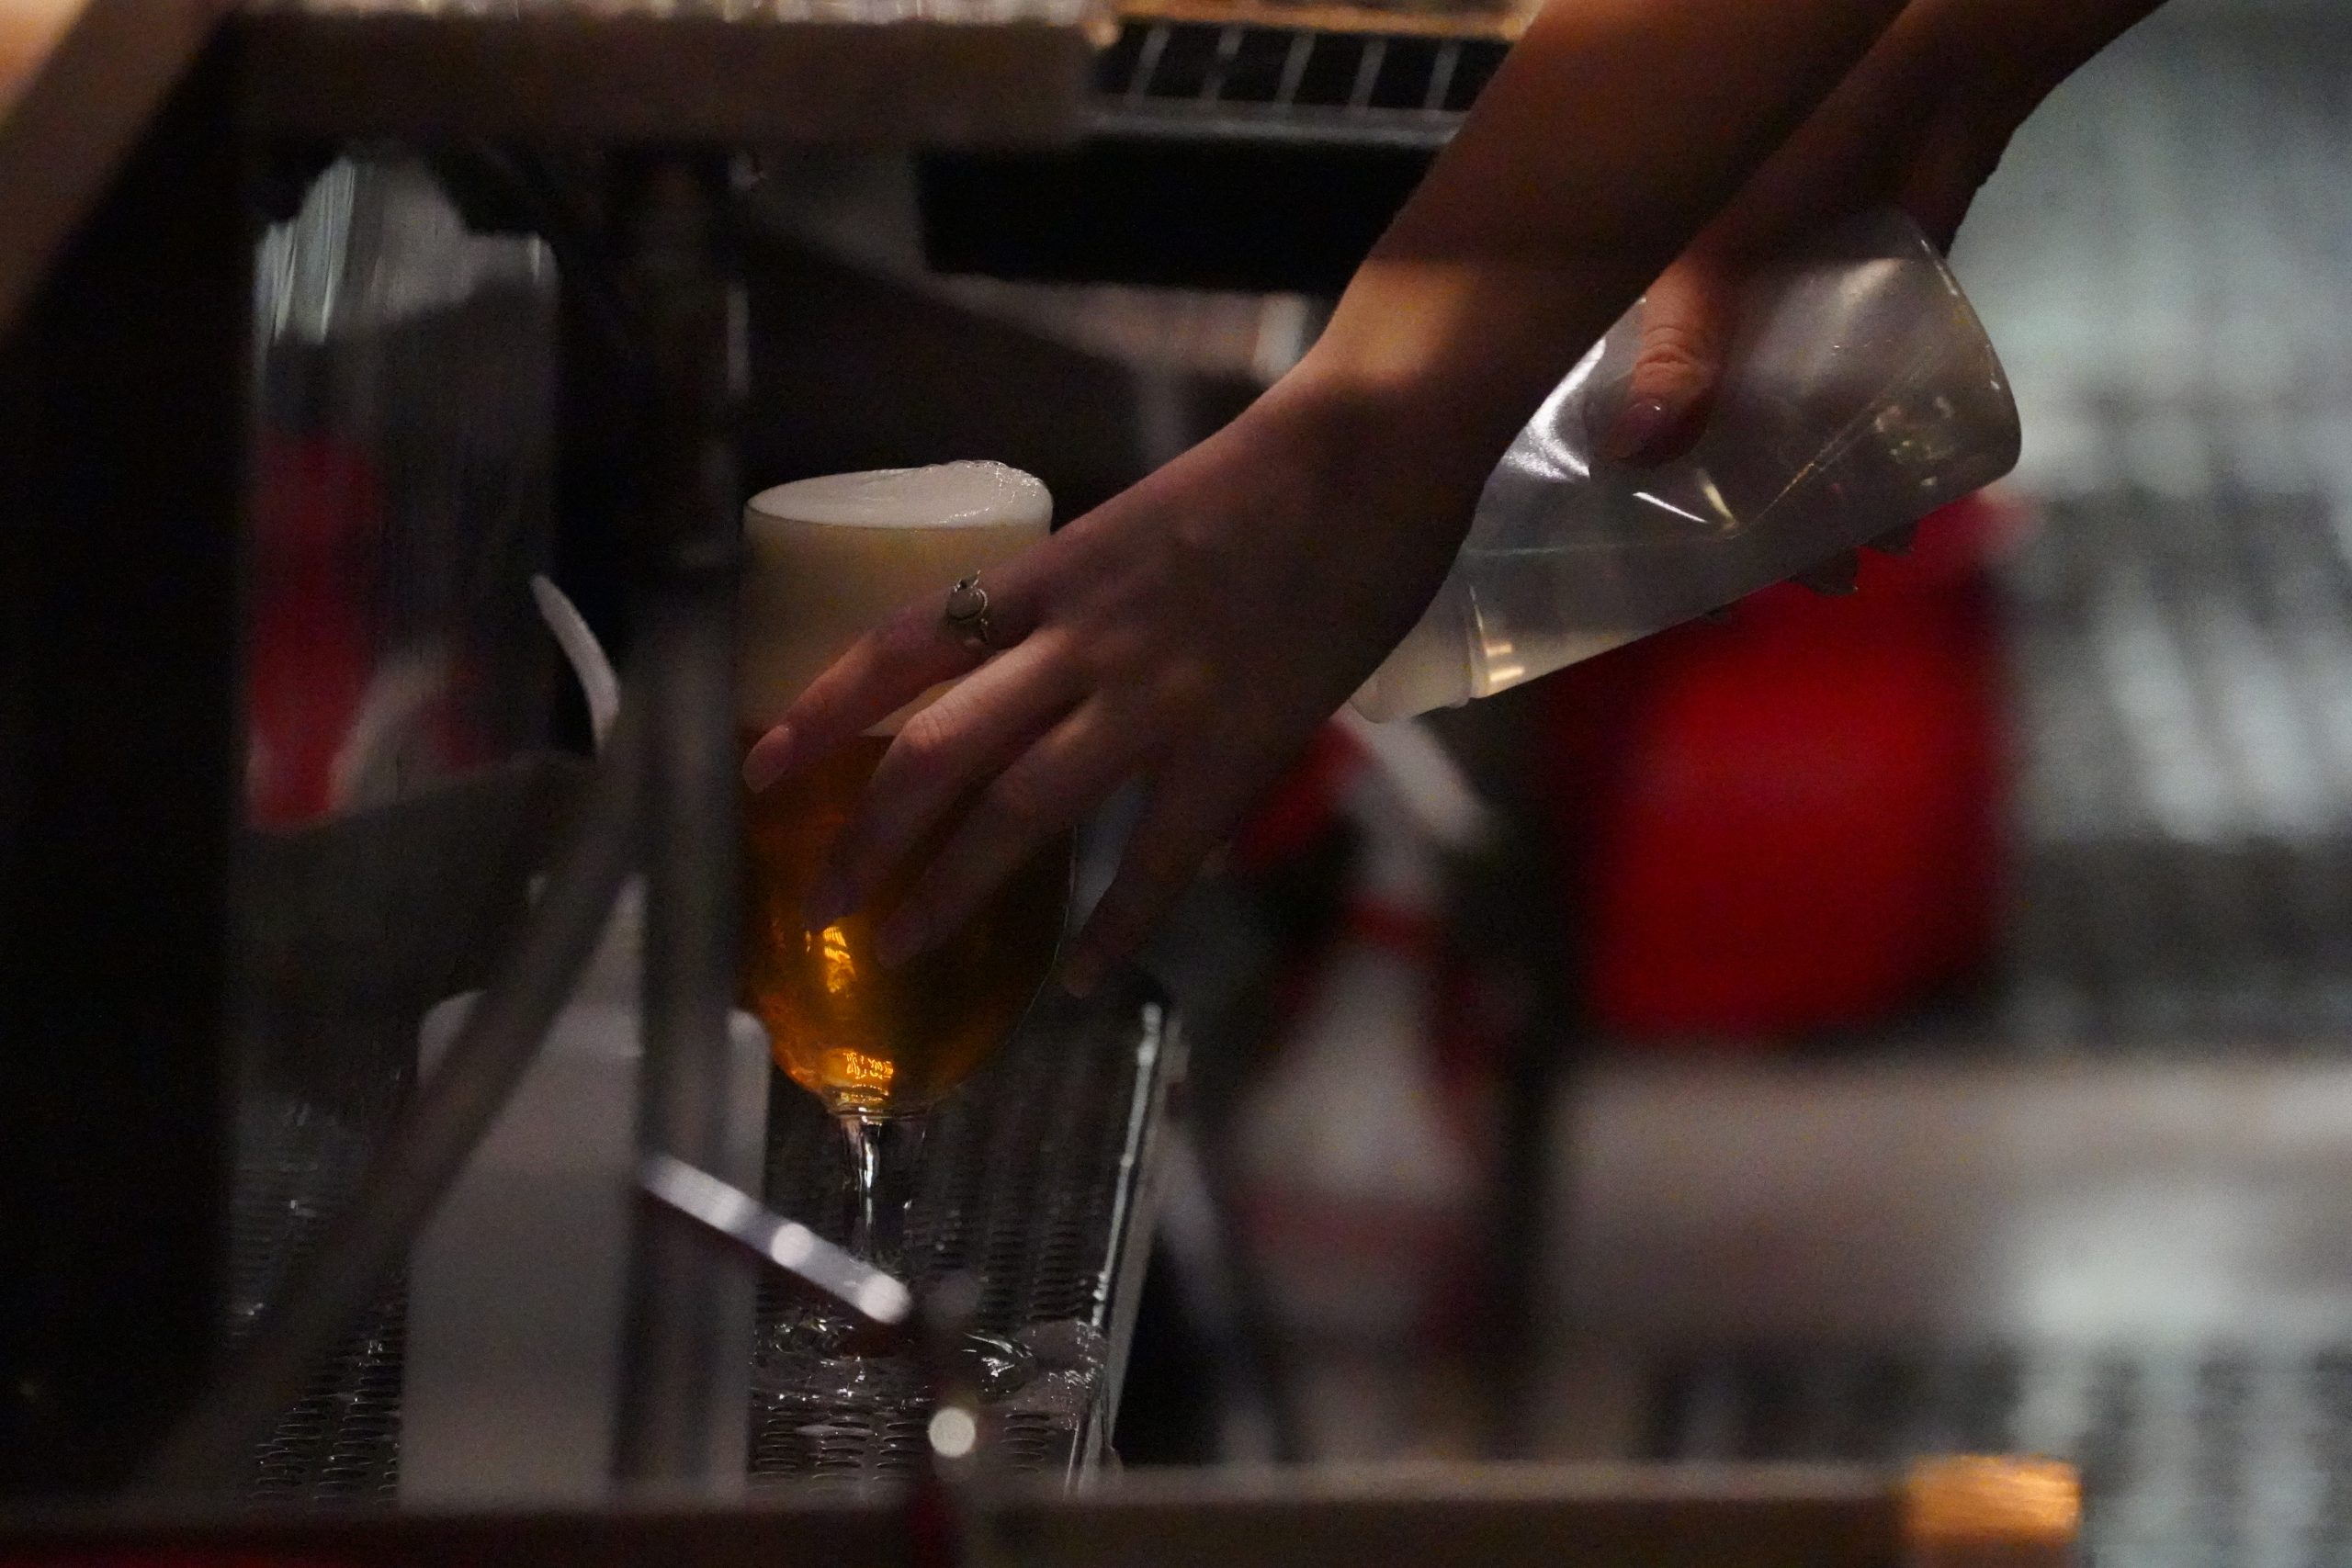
{"x":318,"y":518}
{"x":327,"y":694}
{"x":1300,"y":807}
{"x":1790,"y":825}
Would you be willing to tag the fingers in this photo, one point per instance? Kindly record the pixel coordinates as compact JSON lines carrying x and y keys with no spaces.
{"x":883,"y":672}
{"x":1687,"y":318}
{"x":1043,"y":793}
{"x":1189,"y":814}
{"x":971,"y":730}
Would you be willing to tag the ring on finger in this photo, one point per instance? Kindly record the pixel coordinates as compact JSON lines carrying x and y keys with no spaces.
{"x":967,"y":615}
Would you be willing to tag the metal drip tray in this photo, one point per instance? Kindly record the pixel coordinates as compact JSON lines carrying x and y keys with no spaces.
{"x":1036,"y":1179}
{"x":296,"y":1165}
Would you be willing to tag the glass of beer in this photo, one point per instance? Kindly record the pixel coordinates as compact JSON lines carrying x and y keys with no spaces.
{"x":825,"y":559}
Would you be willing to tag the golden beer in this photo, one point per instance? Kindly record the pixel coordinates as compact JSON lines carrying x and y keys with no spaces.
{"x":826,"y":559}
{"x":861,"y":1038}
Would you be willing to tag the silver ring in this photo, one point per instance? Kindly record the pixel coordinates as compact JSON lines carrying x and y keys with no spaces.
{"x":967,"y":614}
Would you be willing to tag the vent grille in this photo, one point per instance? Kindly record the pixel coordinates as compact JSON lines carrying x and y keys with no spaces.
{"x":1261,"y":81}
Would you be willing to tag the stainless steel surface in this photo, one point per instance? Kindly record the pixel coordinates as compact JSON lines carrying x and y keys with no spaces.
{"x":1928,"y":1199}
{"x":2145,"y":1268}
{"x":2162,"y":259}
{"x":942,"y":1510}
{"x":2128,"y":1243}
{"x":330,"y":986}
{"x":1041,"y":1176}
{"x":1037,"y":1179}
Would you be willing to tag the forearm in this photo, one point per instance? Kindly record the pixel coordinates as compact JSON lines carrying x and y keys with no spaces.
{"x":2025,"y":48}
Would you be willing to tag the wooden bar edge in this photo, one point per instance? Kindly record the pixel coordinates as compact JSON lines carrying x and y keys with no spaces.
{"x":1980,"y":1511}
{"x":79,"y":81}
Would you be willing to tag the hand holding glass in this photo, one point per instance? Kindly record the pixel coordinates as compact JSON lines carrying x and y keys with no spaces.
{"x":825,"y":559}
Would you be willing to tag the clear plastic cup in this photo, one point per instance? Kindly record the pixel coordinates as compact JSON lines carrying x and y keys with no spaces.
{"x":1861,"y":393}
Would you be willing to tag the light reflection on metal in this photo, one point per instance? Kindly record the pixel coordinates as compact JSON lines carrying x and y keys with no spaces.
{"x":738,"y":1217}
{"x":953,"y":1431}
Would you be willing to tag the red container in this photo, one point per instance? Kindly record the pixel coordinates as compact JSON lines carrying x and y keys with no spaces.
{"x":318,"y":525}
{"x":1790,"y":825}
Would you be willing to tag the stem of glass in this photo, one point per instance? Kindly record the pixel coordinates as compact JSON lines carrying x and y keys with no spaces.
{"x":884,"y":1156}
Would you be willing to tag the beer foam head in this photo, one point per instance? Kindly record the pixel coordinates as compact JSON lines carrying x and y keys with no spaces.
{"x":827,"y":559}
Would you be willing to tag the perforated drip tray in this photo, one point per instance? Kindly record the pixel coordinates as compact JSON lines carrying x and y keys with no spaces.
{"x":2192,"y":1458}
{"x":1036,"y":1179}
{"x":296,"y":1164}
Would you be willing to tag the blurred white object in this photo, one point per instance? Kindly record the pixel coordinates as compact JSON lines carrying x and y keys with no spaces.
{"x":392,"y":730}
{"x":599,"y":687}
{"x":517,"y":1288}
{"x":1360,"y":1190}
{"x":1426,"y":781}
{"x":1859,"y":395}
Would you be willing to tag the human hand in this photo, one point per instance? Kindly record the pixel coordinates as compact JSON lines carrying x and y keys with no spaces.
{"x":1920,"y":123}
{"x":1191,"y":633}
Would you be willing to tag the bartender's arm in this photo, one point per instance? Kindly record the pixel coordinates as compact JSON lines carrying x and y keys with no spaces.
{"x":1192,"y":632}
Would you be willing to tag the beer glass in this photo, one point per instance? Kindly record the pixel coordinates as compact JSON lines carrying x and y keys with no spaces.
{"x":825,"y":559}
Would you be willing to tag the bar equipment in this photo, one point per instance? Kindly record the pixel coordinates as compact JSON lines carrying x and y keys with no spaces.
{"x":226,"y":95}
{"x":121,"y":749}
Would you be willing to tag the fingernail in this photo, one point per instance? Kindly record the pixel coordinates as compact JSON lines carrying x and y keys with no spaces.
{"x":1636,"y":429}
{"x":901,"y":940}
{"x":1083,"y":973}
{"x":826,"y":903}
{"x":768,"y":759}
